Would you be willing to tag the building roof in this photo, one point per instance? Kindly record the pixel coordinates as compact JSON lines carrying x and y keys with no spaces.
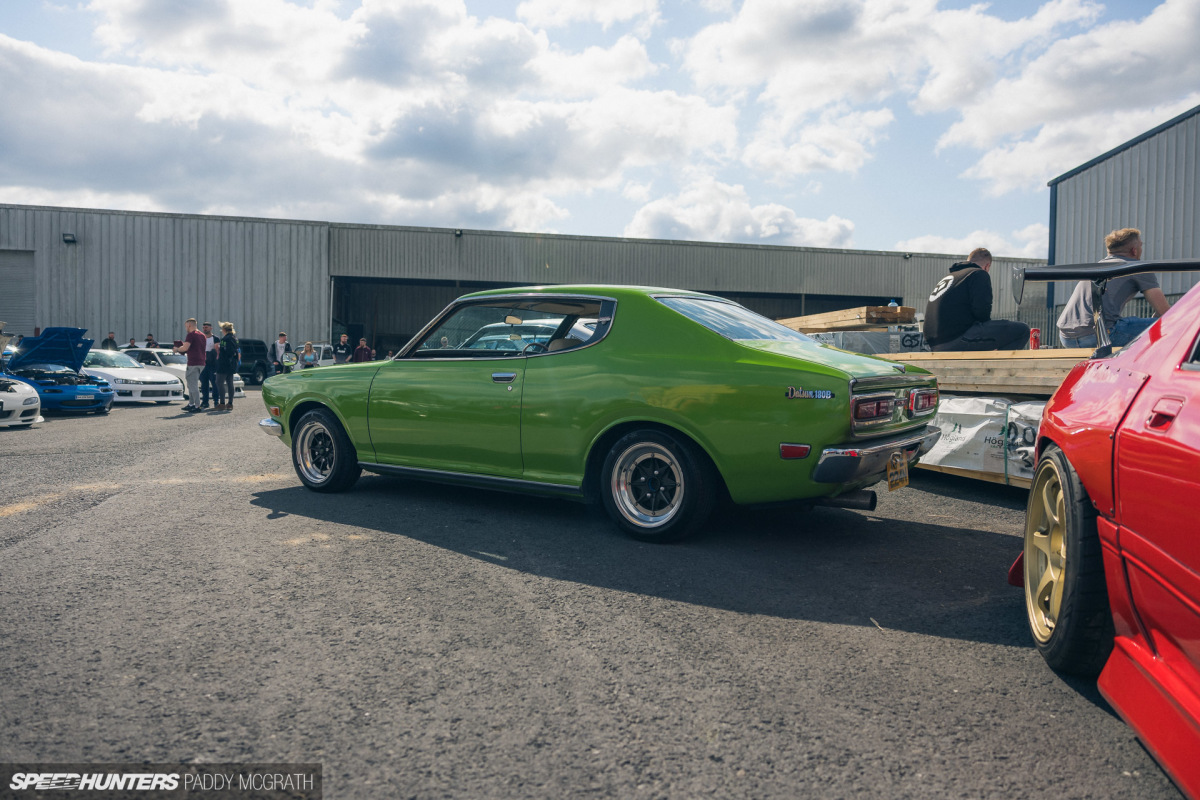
{"x":1126,"y":146}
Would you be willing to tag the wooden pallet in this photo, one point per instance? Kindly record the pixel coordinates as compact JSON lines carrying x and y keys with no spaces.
{"x":1035,"y":373}
{"x":852,"y":319}
{"x":990,"y":477}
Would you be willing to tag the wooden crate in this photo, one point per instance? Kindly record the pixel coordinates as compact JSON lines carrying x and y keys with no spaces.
{"x":1035,"y":373}
{"x":852,"y":319}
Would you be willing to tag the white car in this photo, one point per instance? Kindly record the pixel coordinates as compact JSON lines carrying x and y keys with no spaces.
{"x":132,"y":382}
{"x":20,"y":405}
{"x":167,"y":359}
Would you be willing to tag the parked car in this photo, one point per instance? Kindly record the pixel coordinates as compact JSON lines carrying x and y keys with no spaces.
{"x":51,"y":363}
{"x":20,"y":405}
{"x":256,"y":363}
{"x":1111,"y":563}
{"x":176,"y":363}
{"x":132,"y":382}
{"x":324,"y":354}
{"x":654,"y":402}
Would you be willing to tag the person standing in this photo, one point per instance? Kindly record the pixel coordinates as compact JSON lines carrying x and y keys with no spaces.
{"x":110,"y":343}
{"x":278,"y":349}
{"x":342,"y":351}
{"x":132,"y":342}
{"x":362,"y":352}
{"x":308,"y":356}
{"x":959,"y":314}
{"x":208,"y":378}
{"x":193,"y":346}
{"x":150,"y":341}
{"x":227,"y":365}
{"x":1076,"y":324}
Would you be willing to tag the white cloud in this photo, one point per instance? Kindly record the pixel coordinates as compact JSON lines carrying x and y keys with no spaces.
{"x":558,"y":13}
{"x":824,"y":71}
{"x":1081,"y":97}
{"x":708,"y":210}
{"x":78,"y":197}
{"x":407,"y":111}
{"x":1031,"y":241}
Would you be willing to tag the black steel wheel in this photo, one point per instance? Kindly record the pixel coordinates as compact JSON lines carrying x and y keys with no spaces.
{"x":1066,"y":596}
{"x":657,"y":487}
{"x":324,"y":458}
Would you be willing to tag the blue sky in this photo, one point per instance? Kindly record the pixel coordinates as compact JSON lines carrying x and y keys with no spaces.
{"x":872,"y":124}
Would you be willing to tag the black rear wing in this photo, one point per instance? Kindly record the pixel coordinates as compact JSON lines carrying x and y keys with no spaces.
{"x":1095,"y":272}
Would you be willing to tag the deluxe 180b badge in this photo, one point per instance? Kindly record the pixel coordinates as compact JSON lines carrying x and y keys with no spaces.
{"x":795,"y":393}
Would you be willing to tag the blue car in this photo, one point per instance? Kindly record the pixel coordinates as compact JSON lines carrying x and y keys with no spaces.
{"x":51,"y":362}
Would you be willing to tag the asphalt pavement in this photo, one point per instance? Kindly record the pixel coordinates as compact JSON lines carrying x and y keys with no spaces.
{"x":170,"y":593}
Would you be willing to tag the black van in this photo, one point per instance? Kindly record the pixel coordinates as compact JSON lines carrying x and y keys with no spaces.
{"x":256,"y":364}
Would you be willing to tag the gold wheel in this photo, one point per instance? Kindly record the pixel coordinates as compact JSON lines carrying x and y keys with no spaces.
{"x":1045,"y":551}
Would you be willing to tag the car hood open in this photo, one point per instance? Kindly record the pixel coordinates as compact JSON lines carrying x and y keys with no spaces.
{"x":64,"y":346}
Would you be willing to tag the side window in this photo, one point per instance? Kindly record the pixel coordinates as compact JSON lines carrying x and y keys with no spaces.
{"x":512,"y":327}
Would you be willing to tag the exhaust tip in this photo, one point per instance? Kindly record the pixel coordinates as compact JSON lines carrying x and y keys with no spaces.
{"x":861,"y":500}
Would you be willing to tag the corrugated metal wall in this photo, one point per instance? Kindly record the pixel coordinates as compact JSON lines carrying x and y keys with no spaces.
{"x":360,"y":251}
{"x":137,"y":273}
{"x":140,"y":272}
{"x":1149,"y":184}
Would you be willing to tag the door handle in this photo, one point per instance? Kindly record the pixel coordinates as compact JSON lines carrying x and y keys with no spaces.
{"x":503,"y":377}
{"x":1164,"y":413}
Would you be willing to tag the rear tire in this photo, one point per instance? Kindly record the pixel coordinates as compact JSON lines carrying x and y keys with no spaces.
{"x":657,"y":487}
{"x":324,"y":458}
{"x":1066,"y":596}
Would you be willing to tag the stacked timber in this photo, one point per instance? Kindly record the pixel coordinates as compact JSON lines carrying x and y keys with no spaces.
{"x":1027,"y":373}
{"x":864,"y":318}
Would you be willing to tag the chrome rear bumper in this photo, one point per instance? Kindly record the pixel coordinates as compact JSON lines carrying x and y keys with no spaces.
{"x":854,"y":463}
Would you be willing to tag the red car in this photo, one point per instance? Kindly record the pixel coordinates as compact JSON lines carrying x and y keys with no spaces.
{"x":1111,"y":564}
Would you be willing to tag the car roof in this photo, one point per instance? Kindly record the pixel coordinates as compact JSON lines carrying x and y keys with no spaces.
{"x":594,"y":290}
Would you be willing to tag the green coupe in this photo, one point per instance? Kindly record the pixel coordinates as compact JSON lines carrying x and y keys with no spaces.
{"x":655,"y":402}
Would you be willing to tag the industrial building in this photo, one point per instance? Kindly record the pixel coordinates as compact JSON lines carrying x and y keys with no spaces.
{"x":1149,"y":183}
{"x":136,"y":273}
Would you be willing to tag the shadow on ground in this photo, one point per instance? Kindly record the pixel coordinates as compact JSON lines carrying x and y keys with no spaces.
{"x":826,"y":565}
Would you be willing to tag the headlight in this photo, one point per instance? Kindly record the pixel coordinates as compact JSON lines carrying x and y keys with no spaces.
{"x":124,"y":381}
{"x":30,"y":401}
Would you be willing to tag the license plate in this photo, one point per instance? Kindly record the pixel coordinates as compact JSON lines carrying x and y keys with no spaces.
{"x":85,"y":397}
{"x":897,"y":471}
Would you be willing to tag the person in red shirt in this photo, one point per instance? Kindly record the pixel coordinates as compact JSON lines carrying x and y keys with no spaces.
{"x":193,"y":345}
{"x":362,"y":352}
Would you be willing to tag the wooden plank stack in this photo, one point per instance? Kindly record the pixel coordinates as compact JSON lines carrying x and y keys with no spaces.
{"x":864,"y":318}
{"x":1032,"y":373}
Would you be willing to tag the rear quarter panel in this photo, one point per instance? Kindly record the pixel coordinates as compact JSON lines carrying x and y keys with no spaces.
{"x":731,"y":400}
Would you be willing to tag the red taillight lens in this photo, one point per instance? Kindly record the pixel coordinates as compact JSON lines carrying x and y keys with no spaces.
{"x":873,"y":409}
{"x":922,"y":401}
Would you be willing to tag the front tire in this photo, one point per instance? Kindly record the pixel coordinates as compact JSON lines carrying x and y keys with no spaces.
{"x":324,"y":458}
{"x":1066,"y":597}
{"x":260,"y":374}
{"x":657,"y":487}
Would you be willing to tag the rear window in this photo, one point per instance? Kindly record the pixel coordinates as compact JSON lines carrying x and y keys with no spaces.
{"x":731,"y":320}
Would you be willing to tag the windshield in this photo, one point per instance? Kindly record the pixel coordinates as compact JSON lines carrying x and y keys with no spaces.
{"x":110,"y":358}
{"x":731,"y":320}
{"x":173,"y":358}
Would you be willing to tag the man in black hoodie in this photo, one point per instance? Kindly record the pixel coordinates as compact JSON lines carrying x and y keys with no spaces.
{"x":959,"y":314}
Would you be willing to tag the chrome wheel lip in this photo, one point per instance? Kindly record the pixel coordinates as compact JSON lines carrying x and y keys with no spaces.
{"x":314,"y":452}
{"x":1045,"y":551}
{"x":643,"y":476}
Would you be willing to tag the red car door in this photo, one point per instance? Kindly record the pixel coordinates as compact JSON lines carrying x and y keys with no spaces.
{"x":1158,"y":489}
